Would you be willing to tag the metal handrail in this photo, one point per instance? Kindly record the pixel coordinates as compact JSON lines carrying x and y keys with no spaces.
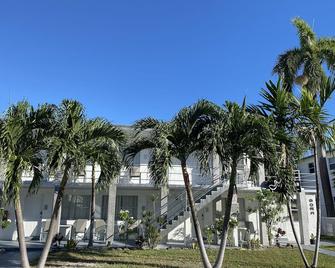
{"x":183,"y":206}
{"x":183,"y":194}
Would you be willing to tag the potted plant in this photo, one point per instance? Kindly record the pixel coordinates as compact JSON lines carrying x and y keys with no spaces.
{"x":312,"y":239}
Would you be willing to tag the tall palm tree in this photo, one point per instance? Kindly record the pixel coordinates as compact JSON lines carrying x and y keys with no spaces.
{"x":66,"y":150}
{"x":177,"y":138}
{"x":277,"y":104}
{"x":304,"y":66}
{"x":106,"y":154}
{"x":22,"y":131}
{"x":235,"y":135}
{"x":314,"y":127}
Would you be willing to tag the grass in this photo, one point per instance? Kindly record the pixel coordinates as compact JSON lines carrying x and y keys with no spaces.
{"x":274,"y":258}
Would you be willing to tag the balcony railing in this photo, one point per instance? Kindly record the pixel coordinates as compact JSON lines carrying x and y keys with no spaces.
{"x":140,"y":176}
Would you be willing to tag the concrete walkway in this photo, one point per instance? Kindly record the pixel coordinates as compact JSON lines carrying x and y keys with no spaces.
{"x":322,"y":250}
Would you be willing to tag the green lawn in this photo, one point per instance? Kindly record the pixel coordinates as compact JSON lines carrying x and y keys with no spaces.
{"x":276,"y":258}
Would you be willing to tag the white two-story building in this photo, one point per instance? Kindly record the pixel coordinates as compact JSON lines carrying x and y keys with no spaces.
{"x":307,"y":174}
{"x":134,"y":191}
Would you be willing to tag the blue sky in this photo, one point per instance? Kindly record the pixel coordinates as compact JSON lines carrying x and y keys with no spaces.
{"x":125,"y":60}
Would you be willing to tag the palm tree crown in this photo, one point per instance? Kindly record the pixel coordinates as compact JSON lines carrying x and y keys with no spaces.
{"x":304,"y":65}
{"x":22,"y":133}
{"x":177,"y":138}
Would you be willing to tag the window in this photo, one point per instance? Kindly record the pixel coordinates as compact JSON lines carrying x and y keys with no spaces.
{"x":126,"y":202}
{"x":75,"y":207}
{"x":135,"y":169}
{"x":137,"y":159}
{"x":331,"y":163}
{"x":311,"y":167}
{"x":104,"y":207}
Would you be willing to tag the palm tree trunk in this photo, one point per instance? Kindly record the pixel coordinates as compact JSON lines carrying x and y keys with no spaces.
{"x":224,"y":234}
{"x":54,"y":218}
{"x":196,"y":223}
{"x":90,"y":241}
{"x":288,"y":205}
{"x":289,"y":210}
{"x":20,"y":232}
{"x":318,"y":209}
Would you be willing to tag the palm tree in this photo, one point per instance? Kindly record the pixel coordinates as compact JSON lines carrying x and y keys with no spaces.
{"x":235,"y":135}
{"x":177,"y":138}
{"x":304,"y":66}
{"x":314,"y":127}
{"x":22,"y":131}
{"x":277,"y":105}
{"x":107,"y":155}
{"x":66,"y":150}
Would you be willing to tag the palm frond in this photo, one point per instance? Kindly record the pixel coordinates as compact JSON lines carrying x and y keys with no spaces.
{"x":134,"y":147}
{"x":327,"y":88}
{"x":287,"y":66}
{"x":305,"y":33}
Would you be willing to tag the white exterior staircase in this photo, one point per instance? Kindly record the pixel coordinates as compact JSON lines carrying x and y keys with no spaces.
{"x":179,"y":210}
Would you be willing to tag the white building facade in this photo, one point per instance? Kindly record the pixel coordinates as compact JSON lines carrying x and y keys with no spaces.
{"x":307,"y":174}
{"x":134,"y":191}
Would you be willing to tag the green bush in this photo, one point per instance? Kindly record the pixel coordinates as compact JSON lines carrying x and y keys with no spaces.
{"x":71,"y":244}
{"x":151,"y":232}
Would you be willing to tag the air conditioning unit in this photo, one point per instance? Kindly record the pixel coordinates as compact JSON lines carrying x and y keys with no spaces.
{"x":135,"y":172}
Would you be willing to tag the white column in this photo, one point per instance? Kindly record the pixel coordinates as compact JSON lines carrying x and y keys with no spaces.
{"x":260,"y":174}
{"x":263,"y":234}
{"x":303,"y":218}
{"x":111,"y":213}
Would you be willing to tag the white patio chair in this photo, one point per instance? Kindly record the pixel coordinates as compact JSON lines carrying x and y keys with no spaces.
{"x":100,"y":230}
{"x":79,"y":227}
{"x":44,"y":229}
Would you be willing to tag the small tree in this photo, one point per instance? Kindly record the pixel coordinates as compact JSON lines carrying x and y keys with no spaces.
{"x":127,"y":222}
{"x":151,"y":232}
{"x":233,"y":223}
{"x":270,"y":207}
{"x":209,"y":232}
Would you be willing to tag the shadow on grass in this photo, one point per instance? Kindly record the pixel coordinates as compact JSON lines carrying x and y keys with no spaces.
{"x":111,"y":262}
{"x":67,"y":257}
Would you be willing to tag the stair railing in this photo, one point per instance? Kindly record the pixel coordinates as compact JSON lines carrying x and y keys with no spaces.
{"x":180,"y":204}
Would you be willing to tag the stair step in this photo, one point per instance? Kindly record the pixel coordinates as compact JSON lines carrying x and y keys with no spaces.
{"x":198,"y":202}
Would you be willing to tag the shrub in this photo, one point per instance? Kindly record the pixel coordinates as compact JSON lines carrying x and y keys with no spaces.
{"x":71,"y":244}
{"x":151,"y":232}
